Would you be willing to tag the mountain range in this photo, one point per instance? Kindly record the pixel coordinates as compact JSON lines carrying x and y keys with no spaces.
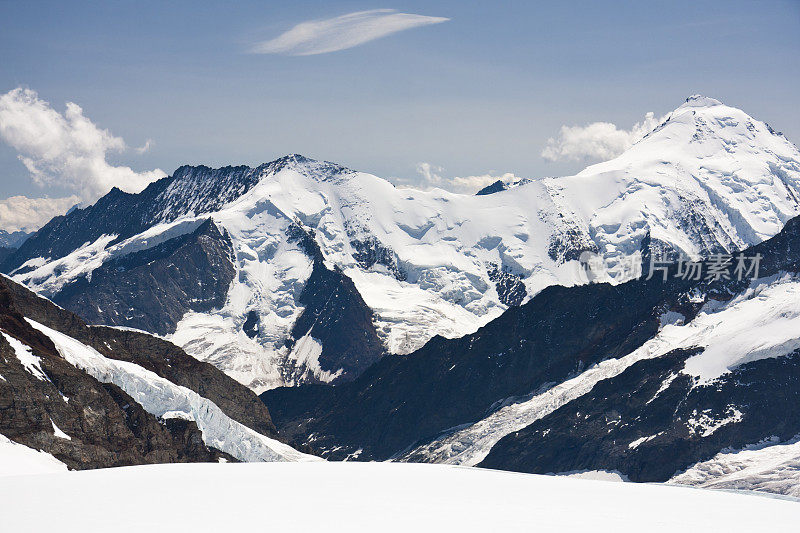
{"x":385,"y":323}
{"x":650,"y":379}
{"x":228,"y":263}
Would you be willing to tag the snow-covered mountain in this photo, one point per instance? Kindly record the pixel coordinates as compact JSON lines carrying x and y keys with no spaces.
{"x":692,"y":381}
{"x":296,"y":241}
{"x":12,"y":239}
{"x":89,"y":397}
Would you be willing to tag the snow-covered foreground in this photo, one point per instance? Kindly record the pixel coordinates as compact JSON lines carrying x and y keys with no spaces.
{"x":18,"y":459}
{"x":368,"y":497}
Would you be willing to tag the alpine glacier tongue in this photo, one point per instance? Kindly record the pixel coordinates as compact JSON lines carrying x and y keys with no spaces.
{"x":409,"y":264}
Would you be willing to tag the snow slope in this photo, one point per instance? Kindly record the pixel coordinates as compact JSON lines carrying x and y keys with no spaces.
{"x":762,"y":322}
{"x":164,"y":399}
{"x":17,"y":459}
{"x":709,"y":179}
{"x":368,"y":497}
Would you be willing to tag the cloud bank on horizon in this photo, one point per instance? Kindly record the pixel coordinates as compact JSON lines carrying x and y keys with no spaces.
{"x":599,"y":140}
{"x":20,"y":213}
{"x":431,"y":176}
{"x":61,"y":150}
{"x":340,"y":33}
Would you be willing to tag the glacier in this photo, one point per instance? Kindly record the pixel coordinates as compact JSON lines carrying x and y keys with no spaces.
{"x":162,"y":398}
{"x":770,"y":466}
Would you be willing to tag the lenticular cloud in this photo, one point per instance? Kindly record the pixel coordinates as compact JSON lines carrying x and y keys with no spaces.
{"x":339,"y":33}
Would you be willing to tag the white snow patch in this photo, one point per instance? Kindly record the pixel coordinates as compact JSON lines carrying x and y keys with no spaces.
{"x":306,"y":354}
{"x":180,"y":415}
{"x":635,"y":444}
{"x":765,"y":324}
{"x":49,"y":277}
{"x":60,"y":434}
{"x":671,"y":317}
{"x":707,"y":425}
{"x":32,"y":363}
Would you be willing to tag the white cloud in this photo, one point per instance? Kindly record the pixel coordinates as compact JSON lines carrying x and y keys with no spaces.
{"x":145,"y":147}
{"x":432,"y":177}
{"x":339,"y":33}
{"x":430,"y":174}
{"x":476,"y":183}
{"x":598,"y":140}
{"x":29,"y":214}
{"x":66,"y":150}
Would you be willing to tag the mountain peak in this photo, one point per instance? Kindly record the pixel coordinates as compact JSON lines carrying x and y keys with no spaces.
{"x":698,"y":100}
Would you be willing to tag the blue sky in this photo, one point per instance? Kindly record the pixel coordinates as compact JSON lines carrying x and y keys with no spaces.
{"x":479,"y":93}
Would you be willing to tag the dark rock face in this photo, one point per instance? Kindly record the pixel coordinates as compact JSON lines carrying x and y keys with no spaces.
{"x":5,"y":253}
{"x":570,"y":242}
{"x":510,"y":287}
{"x":335,"y":314}
{"x":152,"y":289}
{"x":405,"y":401}
{"x":369,"y":252}
{"x":107,"y":427}
{"x":250,"y":325}
{"x":497,"y":186}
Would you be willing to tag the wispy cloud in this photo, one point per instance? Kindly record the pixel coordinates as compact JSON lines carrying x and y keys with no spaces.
{"x":29,"y":214}
{"x":598,"y":140}
{"x":339,"y":33}
{"x":145,"y":147}
{"x":66,"y":150}
{"x":432,"y":177}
